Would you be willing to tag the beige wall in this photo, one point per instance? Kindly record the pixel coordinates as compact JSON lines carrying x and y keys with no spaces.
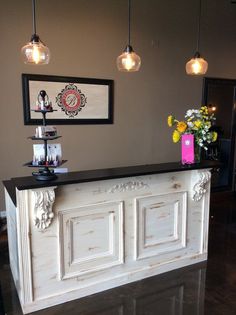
{"x":85,"y":37}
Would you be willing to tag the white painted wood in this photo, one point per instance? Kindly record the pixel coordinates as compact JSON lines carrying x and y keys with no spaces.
{"x":131,"y":185}
{"x":199,"y":188}
{"x":109,"y":233}
{"x":160,"y":224}
{"x":12,"y":239}
{"x":91,"y":239}
{"x":43,"y":214}
{"x":25,"y":291}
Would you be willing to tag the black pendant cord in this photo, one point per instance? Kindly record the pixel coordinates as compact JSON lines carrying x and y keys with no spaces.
{"x":129,"y":17}
{"x":33,"y":14}
{"x":199,"y":25}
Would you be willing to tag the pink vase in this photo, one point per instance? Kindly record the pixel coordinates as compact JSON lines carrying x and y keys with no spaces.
{"x":187,"y":149}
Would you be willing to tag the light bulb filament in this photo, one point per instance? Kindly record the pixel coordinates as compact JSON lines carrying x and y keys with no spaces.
{"x":196,"y":66}
{"x":128,"y":62}
{"x":36,"y":54}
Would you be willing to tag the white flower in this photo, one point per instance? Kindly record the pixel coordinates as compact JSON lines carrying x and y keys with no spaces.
{"x":190,"y":124}
{"x":189,"y":113}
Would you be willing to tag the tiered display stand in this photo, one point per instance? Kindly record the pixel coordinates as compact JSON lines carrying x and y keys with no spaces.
{"x":45,"y":171}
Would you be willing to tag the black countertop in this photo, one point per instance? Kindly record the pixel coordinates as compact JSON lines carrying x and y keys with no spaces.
{"x":30,"y":182}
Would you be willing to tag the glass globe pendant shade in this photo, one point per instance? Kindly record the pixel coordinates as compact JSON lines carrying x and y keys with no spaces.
{"x":35,"y":52}
{"x":197,"y":65}
{"x":128,"y":61}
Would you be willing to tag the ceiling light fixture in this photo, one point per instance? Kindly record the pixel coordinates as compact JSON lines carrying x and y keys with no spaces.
{"x":35,"y":52}
{"x":197,"y":65}
{"x":128,"y":61}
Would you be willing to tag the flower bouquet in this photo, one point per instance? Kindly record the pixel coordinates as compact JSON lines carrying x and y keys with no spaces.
{"x":197,"y":122}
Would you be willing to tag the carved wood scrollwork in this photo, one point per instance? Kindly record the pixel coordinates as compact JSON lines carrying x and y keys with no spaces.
{"x":129,"y":186}
{"x":199,"y":189}
{"x":43,"y":214}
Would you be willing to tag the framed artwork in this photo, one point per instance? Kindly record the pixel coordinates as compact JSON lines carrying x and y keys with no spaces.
{"x":74,"y":100}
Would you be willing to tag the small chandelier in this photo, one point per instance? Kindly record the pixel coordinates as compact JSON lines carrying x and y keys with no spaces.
{"x":128,"y":61}
{"x":35,"y":52}
{"x":197,"y":65}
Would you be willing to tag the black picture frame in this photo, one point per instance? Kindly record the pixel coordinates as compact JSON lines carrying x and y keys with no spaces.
{"x":104,"y":87}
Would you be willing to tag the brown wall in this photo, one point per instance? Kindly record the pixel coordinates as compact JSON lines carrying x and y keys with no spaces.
{"x":85,"y":37}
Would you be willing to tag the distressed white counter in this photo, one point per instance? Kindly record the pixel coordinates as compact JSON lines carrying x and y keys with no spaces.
{"x":80,"y":234}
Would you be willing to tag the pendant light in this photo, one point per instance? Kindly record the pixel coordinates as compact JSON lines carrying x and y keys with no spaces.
{"x":35,"y":52}
{"x":128,"y":61}
{"x":197,"y":65}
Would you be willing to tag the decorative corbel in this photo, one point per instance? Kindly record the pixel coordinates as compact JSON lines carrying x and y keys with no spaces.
{"x":43,"y":214}
{"x":199,"y":189}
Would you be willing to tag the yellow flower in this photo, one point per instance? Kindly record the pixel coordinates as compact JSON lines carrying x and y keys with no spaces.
{"x":176,"y":136}
{"x":214,"y":136}
{"x":204,"y":110}
{"x":170,"y":120}
{"x":197,"y":124}
{"x":181,"y":126}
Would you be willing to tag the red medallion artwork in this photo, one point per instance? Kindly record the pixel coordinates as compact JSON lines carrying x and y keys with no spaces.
{"x":71,"y":100}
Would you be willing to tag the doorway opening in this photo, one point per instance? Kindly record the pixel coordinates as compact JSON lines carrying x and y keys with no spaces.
{"x":219,"y":95}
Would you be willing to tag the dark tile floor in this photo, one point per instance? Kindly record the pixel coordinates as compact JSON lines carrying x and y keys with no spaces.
{"x":200,"y":289}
